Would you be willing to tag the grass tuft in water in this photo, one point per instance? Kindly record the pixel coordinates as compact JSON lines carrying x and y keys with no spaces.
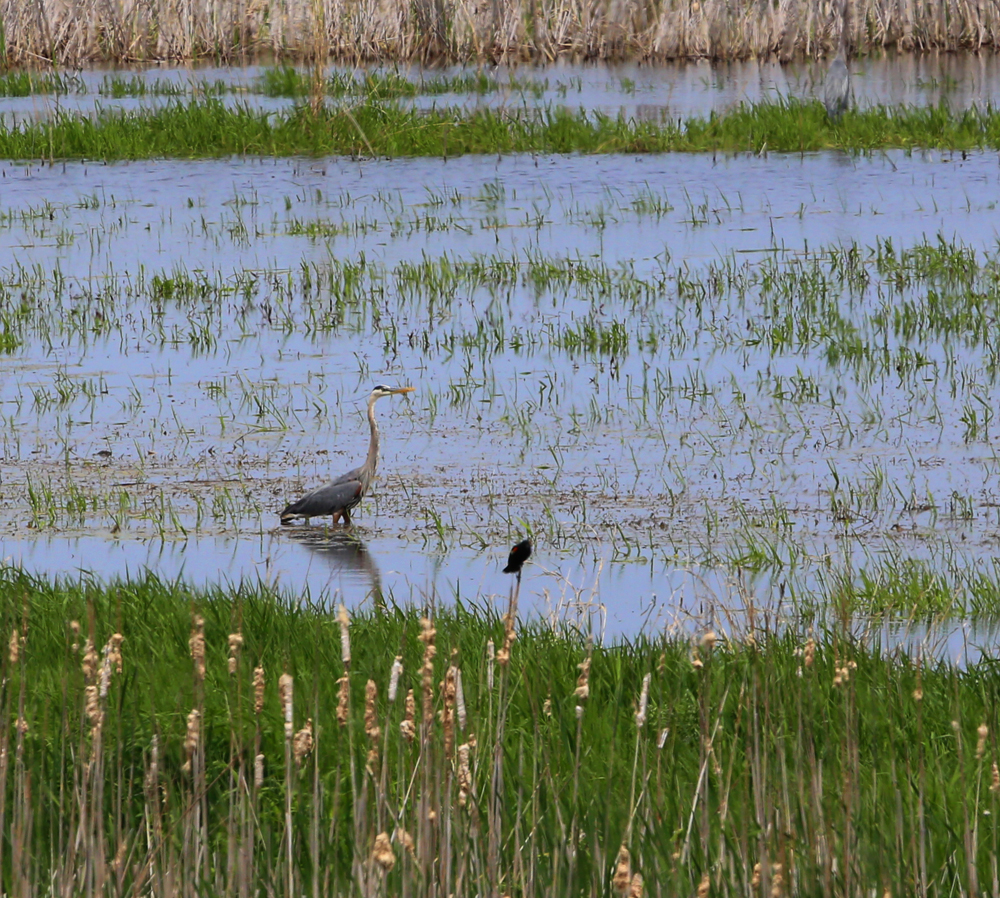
{"x":210,"y":128}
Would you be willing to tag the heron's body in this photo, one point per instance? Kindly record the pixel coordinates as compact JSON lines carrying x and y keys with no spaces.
{"x":837,"y":87}
{"x":339,"y":496}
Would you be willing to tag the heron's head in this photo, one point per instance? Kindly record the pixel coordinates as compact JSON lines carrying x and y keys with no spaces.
{"x":382,"y":390}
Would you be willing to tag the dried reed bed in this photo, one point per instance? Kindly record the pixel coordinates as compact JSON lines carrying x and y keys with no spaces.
{"x":82,"y":31}
{"x":155,"y":741}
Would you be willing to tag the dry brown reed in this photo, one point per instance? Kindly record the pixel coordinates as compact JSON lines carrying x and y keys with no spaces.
{"x":73,"y":32}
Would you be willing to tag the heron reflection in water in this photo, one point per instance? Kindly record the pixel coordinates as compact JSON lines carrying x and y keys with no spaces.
{"x":345,"y":553}
{"x":837,"y":91}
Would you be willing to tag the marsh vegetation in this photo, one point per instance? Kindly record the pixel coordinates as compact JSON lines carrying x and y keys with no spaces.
{"x":157,"y":740}
{"x":761,"y":383}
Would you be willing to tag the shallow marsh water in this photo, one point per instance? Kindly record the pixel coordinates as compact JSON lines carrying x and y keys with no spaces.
{"x":696,"y":88}
{"x":673,"y":369}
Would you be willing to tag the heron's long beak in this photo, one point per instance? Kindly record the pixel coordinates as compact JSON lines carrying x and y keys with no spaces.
{"x":404,"y":389}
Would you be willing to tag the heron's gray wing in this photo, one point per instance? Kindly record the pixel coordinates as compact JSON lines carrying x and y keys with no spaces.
{"x":837,"y":88}
{"x":351,"y":476}
{"x":327,"y":499}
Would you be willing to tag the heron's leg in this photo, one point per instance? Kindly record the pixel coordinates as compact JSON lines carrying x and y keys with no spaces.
{"x":305,"y":517}
{"x":347,"y":517}
{"x":334,"y":517}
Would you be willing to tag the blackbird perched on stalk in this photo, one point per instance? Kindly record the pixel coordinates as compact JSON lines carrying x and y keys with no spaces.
{"x":518,"y":555}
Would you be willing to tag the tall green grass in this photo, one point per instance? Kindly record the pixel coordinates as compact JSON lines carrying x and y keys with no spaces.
{"x":770,"y":763}
{"x":211,"y":128}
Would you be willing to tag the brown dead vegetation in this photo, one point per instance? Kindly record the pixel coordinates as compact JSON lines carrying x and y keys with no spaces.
{"x":77,"y":32}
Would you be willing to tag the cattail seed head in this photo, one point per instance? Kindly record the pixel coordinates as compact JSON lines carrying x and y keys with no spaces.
{"x":345,"y":636}
{"x":153,"y":771}
{"x":343,"y":700}
{"x":777,"y":880}
{"x":14,"y":646}
{"x":407,"y":725}
{"x":704,"y":886}
{"x":372,"y":730}
{"x":302,"y":745}
{"x":197,"y":644}
{"x":464,"y":774}
{"x":460,"y":700}
{"x":708,"y":641}
{"x":490,"y":659}
{"x":982,"y":732}
{"x":640,"y":715}
{"x":696,"y":661}
{"x":427,"y":631}
{"x":382,"y":853}
{"x":105,"y":678}
{"x":90,"y":662}
{"x":582,"y":690}
{"x":114,"y":650}
{"x":191,"y":738}
{"x":995,"y":778}
{"x":394,"y":675}
{"x":809,"y":654}
{"x":258,"y":690}
{"x":636,"y":887}
{"x":258,"y":771}
{"x":235,"y":644}
{"x":405,"y":839}
{"x":448,"y":691}
{"x":92,"y":704}
{"x":285,"y":690}
{"x":623,"y":872}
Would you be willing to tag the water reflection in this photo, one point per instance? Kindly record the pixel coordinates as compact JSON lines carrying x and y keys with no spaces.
{"x":651,"y":92}
{"x":347,"y":555}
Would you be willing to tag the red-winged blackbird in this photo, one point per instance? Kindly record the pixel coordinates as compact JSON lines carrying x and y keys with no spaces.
{"x":518,"y":555}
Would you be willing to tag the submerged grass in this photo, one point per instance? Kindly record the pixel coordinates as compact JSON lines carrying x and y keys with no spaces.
{"x":233,"y":741}
{"x":212,"y":128}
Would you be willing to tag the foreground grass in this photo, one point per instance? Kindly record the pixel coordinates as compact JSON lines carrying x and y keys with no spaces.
{"x":234,"y":742}
{"x":211,"y":128}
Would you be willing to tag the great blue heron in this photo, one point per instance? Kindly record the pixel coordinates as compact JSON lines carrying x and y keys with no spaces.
{"x":518,"y":555}
{"x":837,"y":92}
{"x":339,"y":496}
{"x":837,"y":87}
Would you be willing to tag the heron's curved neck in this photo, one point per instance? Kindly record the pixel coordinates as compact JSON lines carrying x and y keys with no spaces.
{"x":372,"y":463}
{"x":845,"y":27}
